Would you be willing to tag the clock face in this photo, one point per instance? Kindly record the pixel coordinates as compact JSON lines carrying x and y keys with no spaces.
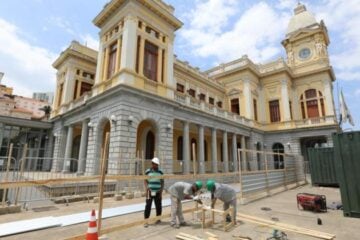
{"x":304,"y":53}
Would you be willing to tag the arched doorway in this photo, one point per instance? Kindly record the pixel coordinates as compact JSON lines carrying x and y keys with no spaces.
{"x":278,"y":149}
{"x":75,"y":154}
{"x":258,"y":155}
{"x":147,"y":140}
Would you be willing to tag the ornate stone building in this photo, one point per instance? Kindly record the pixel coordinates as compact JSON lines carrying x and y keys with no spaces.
{"x":152,"y":103}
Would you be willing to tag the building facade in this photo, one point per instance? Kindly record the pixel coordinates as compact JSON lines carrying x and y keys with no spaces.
{"x":153,"y":104}
{"x":44,"y":96}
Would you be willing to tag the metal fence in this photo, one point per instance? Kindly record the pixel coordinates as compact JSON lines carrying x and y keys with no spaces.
{"x":33,"y":181}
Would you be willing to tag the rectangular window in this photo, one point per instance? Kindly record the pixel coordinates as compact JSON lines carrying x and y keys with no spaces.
{"x":180,"y":88}
{"x":291,"y":115}
{"x":219,"y":104}
{"x":75,"y":89}
{"x":192,"y":92}
{"x":322,"y":107}
{"x":274,"y":111}
{"x":85,"y":87}
{"x":150,"y":61}
{"x":202,"y":97}
{"x":162,"y":66}
{"x":61,"y":88}
{"x":235,"y":106}
{"x":112,"y":60}
{"x":255,"y":110}
{"x":211,"y":100}
{"x":137,"y":54}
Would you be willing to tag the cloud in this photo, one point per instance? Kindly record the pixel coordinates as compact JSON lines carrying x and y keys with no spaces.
{"x":90,"y":41}
{"x":357,"y":92}
{"x":27,"y":68}
{"x":342,"y":19}
{"x":228,"y":35}
{"x":63,"y":24}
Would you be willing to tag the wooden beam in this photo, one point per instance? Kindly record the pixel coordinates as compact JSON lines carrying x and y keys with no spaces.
{"x":285,"y":227}
{"x":102,"y":178}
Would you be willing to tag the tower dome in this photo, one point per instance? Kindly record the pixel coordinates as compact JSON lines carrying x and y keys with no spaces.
{"x":302,"y":19}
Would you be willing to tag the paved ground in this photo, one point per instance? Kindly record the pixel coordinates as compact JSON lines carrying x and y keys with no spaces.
{"x":283,"y":207}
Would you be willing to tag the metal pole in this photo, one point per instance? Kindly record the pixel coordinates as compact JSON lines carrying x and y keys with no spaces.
{"x":7,"y":173}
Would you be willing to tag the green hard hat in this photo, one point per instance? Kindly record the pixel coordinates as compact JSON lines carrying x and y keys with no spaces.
{"x":198,"y":184}
{"x":210,"y":184}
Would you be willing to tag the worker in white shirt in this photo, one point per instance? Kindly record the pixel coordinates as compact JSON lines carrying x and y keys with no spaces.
{"x":180,"y":191}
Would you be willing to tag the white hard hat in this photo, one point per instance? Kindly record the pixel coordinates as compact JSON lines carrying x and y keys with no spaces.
{"x":155,"y":160}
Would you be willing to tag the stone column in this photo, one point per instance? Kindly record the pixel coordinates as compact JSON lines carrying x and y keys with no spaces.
{"x":1,"y":133}
{"x":225,"y":152}
{"x":68,"y":90}
{"x":68,"y":149}
{"x":201,"y":150}
{"x":118,"y":55}
{"x":83,"y":147}
{"x":262,"y":105}
{"x":100,"y":63}
{"x":234,"y":152}
{"x":186,"y":150}
{"x":248,"y":101}
{"x":329,"y":100}
{"x":243,"y":154}
{"x":106,"y":64}
{"x":141,"y":56}
{"x":169,"y":78}
{"x":285,"y":100}
{"x":159,"y":66}
{"x":128,"y":50}
{"x":214,"y":151}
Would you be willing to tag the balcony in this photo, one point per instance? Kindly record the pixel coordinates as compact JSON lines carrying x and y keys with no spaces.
{"x":222,"y":113}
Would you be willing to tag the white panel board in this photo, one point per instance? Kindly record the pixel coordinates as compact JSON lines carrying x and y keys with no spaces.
{"x":28,"y":225}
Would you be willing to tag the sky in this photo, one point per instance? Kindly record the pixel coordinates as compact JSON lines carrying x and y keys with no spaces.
{"x":34,"y":32}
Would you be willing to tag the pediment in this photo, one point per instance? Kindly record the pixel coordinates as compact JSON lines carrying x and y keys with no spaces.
{"x":233,"y":91}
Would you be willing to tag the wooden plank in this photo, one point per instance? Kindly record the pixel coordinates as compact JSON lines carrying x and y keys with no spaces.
{"x":189,"y":236}
{"x":55,"y":181}
{"x":286,"y":227}
{"x":102,"y":179}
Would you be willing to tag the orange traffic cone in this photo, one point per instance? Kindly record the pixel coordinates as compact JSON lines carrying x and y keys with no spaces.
{"x":92,"y":229}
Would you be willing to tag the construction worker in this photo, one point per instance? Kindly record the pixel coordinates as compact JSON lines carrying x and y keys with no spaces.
{"x":154,"y":187}
{"x":180,"y":191}
{"x":225,"y":193}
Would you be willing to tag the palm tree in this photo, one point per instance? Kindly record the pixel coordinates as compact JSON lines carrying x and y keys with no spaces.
{"x":47,"y":110}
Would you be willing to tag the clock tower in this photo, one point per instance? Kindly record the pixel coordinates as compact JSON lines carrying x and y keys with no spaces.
{"x":306,"y":42}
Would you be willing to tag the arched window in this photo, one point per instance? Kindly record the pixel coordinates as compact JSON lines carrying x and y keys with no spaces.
{"x":180,"y":148}
{"x":278,"y":159}
{"x":258,"y":155}
{"x":311,"y":103}
{"x":205,"y":151}
{"x":150,"y":145}
{"x":193,"y":142}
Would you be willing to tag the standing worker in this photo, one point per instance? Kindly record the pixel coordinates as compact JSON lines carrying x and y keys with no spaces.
{"x":225,"y":193}
{"x":154,"y":187}
{"x":180,"y":191}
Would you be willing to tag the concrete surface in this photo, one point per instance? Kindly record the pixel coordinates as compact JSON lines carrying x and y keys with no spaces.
{"x":283,"y":207}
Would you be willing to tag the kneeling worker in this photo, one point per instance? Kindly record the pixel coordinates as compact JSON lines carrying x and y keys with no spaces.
{"x":180,"y":191}
{"x":225,"y":193}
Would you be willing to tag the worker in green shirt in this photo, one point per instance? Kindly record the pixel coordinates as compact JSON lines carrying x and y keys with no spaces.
{"x":154,"y":187}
